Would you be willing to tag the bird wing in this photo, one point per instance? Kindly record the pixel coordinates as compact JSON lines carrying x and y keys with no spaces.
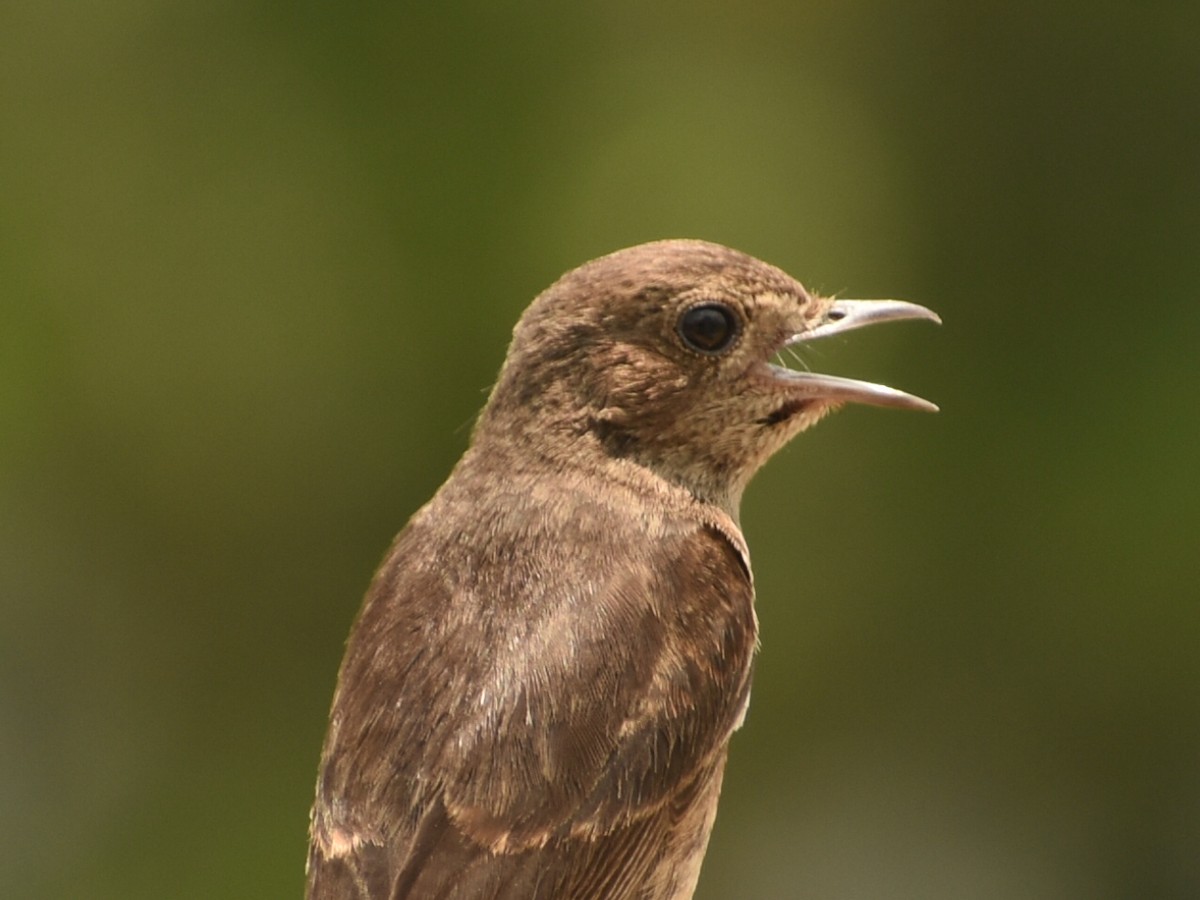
{"x":512,"y":729}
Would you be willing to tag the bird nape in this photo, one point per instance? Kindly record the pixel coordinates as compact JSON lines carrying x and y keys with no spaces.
{"x":538,"y":693}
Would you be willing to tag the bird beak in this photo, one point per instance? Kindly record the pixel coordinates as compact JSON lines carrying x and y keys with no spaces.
{"x":846,"y":315}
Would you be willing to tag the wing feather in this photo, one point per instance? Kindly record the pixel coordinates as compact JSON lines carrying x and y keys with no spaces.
{"x":514,"y":720}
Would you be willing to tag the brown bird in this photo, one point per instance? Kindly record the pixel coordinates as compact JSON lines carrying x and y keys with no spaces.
{"x":538,"y":694}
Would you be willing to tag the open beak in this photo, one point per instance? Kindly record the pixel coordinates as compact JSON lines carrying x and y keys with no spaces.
{"x":846,"y":315}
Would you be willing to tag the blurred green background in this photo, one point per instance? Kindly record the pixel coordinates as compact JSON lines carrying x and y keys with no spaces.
{"x":259,"y":262}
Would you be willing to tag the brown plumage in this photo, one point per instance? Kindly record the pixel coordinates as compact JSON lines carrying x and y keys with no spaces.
{"x":538,"y":694}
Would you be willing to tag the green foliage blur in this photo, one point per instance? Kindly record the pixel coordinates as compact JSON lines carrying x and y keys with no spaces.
{"x":259,"y":262}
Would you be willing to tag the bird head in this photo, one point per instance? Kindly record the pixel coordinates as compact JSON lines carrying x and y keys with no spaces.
{"x":667,"y":355}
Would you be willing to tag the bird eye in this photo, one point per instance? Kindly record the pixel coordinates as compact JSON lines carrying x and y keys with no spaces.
{"x":710,"y":328}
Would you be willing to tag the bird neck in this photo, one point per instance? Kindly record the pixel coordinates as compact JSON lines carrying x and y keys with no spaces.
{"x":540,"y":445}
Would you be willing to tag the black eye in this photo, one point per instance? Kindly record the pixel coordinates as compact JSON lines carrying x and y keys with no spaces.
{"x":710,"y":328}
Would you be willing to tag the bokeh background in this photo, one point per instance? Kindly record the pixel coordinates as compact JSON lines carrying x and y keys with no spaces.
{"x":258,"y":266}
